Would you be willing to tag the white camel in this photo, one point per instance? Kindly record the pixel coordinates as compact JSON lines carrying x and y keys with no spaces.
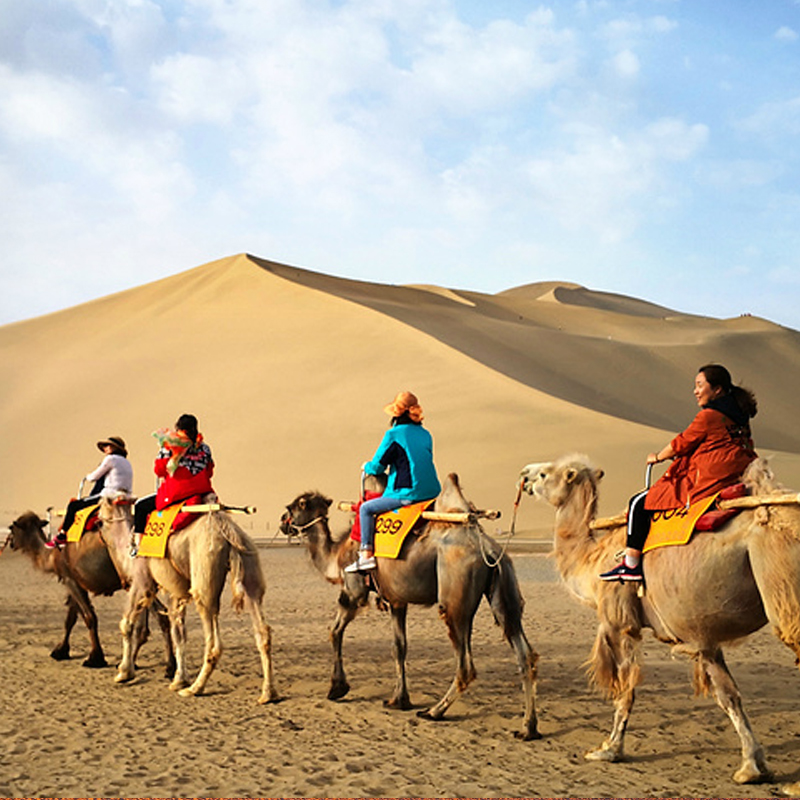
{"x":720,"y":587}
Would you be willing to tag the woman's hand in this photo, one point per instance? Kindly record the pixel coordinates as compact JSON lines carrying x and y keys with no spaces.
{"x":652,"y":458}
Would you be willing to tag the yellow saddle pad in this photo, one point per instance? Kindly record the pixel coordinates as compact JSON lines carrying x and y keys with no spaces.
{"x":676,"y":525}
{"x":156,"y":532}
{"x":79,"y":524}
{"x":392,"y":527}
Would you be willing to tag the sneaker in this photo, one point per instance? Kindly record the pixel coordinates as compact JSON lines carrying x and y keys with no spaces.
{"x":59,"y":540}
{"x":622,"y":572}
{"x":362,"y":565}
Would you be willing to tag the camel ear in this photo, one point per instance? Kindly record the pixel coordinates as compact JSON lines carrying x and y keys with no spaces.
{"x":328,"y":502}
{"x":598,"y":475}
{"x":570,"y":474}
{"x":43,"y":523}
{"x":301,"y":504}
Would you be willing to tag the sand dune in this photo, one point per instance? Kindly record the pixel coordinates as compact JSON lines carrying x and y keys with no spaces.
{"x":288,"y":371}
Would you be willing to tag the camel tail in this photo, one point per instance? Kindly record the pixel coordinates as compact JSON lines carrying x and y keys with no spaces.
{"x":505,"y":599}
{"x":247,"y":578}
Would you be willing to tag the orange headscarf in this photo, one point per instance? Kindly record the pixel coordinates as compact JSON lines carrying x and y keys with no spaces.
{"x":405,"y":402}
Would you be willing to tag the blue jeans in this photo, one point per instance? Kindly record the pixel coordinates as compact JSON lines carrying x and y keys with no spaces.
{"x":369,"y":510}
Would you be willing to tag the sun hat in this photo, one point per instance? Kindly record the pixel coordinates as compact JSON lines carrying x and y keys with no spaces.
{"x":116,"y":442}
{"x":405,"y":402}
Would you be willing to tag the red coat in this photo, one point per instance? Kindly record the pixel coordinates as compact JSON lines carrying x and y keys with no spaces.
{"x":192,"y":477}
{"x":710,"y":454}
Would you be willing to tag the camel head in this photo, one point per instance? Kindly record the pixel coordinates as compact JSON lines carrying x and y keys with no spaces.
{"x":27,"y":533}
{"x":304,"y":511}
{"x":557,"y":481}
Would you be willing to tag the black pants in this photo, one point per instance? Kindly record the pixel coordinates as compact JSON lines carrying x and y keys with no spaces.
{"x":141,"y":510}
{"x":639,"y":519}
{"x":74,"y":506}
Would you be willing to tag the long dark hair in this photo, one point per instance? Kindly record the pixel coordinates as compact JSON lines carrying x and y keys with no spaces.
{"x":188,"y":424}
{"x":718,"y":376}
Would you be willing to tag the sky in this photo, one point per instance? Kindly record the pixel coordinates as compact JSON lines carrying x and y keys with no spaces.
{"x":643,"y":147}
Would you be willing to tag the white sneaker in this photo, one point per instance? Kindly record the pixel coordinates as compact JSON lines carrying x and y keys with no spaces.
{"x":362,"y":564}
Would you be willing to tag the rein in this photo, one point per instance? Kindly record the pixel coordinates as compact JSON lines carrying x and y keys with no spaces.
{"x":493,"y":562}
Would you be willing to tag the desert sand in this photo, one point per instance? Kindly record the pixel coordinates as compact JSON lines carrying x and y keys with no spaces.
{"x":69,"y":731}
{"x":288,"y":371}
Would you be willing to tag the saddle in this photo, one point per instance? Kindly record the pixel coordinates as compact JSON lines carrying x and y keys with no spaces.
{"x":392,"y":527}
{"x":676,"y":526}
{"x":86,"y":519}
{"x":162,"y":524}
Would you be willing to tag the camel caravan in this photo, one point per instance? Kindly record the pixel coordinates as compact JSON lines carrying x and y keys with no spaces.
{"x":707,"y":555}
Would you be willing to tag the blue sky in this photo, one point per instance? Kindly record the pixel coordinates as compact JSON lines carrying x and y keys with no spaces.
{"x":645,"y":147}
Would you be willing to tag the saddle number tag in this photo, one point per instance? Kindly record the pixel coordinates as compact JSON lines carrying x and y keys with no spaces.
{"x":157,"y":530}
{"x":387,"y":526}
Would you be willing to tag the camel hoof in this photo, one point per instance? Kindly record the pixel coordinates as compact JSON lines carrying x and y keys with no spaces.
{"x":750,"y":773}
{"x":269,"y":697}
{"x":60,"y":653}
{"x":790,"y":789}
{"x":95,"y":662}
{"x":527,"y":736}
{"x":123,"y":677}
{"x":429,"y":713}
{"x":603,"y":754}
{"x":338,"y":690}
{"x":399,"y":704}
{"x":189,"y":691}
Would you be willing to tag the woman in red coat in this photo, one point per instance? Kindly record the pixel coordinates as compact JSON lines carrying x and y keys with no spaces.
{"x":184,"y":468}
{"x":709,"y":455}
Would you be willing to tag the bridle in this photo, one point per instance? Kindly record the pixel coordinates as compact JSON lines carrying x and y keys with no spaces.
{"x":299,"y":530}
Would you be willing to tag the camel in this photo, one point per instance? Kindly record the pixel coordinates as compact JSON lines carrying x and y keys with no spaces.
{"x":451,"y":565}
{"x":98,"y":564}
{"x":721,"y":587}
{"x":196,"y":565}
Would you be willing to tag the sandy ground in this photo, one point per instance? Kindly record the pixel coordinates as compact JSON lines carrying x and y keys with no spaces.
{"x":70,"y":731}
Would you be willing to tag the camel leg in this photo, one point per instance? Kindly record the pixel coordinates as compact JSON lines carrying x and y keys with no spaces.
{"x":400,"y":698}
{"x":162,"y":616}
{"x":506,"y":603}
{"x":612,"y":748}
{"x":96,"y":658}
{"x":177,"y":620}
{"x":61,"y":651}
{"x":459,"y":625}
{"x":754,"y":766}
{"x":138,"y":600}
{"x":209,"y":616}
{"x":263,"y":634}
{"x":345,"y":613}
{"x":615,"y":668}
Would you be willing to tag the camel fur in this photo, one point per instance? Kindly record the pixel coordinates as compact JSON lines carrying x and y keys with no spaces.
{"x":447,"y":566}
{"x":98,"y":564}
{"x":721,"y":587}
{"x":196,"y":566}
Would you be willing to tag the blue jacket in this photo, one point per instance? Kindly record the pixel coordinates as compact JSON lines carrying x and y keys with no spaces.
{"x":407,"y":451}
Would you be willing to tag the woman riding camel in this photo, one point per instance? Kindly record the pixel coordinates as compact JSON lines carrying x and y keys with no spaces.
{"x":183,"y":466}
{"x":407,"y":452}
{"x":709,"y":455}
{"x":113,"y":476}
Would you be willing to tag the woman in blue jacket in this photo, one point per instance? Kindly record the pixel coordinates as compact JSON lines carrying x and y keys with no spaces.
{"x":407,"y":452}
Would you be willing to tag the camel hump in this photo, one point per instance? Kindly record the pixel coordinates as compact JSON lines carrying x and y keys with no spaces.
{"x":451,"y":498}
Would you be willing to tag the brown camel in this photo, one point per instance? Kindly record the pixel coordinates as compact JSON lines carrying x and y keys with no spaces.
{"x":719,"y":588}
{"x":98,"y":564}
{"x":195,"y":568}
{"x":451,"y":565}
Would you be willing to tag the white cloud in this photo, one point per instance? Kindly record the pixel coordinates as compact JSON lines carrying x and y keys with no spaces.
{"x":785,"y":34}
{"x":626,"y":64}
